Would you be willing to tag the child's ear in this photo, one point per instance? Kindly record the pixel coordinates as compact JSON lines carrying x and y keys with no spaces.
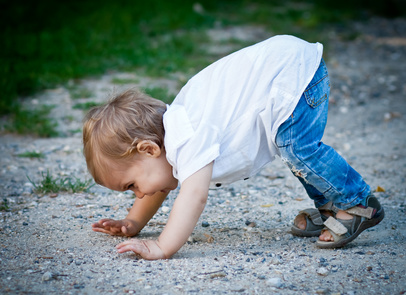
{"x":149,"y":148}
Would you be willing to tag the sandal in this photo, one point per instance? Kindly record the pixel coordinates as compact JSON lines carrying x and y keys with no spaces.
{"x":344,"y":231}
{"x":314,"y":223}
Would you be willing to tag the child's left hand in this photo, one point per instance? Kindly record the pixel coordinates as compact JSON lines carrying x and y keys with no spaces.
{"x":147,"y":249}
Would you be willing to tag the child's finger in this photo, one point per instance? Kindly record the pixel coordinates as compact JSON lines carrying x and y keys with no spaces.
{"x":109,"y":232}
{"x":126,"y":243}
{"x":100,"y":222}
{"x":132,"y":245}
{"x":112,"y":223}
{"x":101,"y":230}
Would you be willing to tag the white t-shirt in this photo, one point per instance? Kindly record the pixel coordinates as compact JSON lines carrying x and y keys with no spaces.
{"x":230,"y":111}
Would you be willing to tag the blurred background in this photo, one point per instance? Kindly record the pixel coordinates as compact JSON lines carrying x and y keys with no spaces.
{"x":48,"y":43}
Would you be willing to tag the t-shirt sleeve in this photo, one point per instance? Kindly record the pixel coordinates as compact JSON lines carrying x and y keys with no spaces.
{"x":188,"y":149}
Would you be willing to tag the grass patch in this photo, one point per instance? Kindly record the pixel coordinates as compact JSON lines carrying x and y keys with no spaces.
{"x":75,"y":131}
{"x":123,"y":81}
{"x":4,"y":205}
{"x":46,"y":43}
{"x":50,"y":184}
{"x":32,"y":154}
{"x":86,"y":105}
{"x":161,"y":93}
{"x":33,"y":122}
{"x":79,"y":92}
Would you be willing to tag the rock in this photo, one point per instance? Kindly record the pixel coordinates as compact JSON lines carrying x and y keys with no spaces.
{"x":275,"y":282}
{"x":276,"y":261}
{"x":47,"y":276}
{"x":323,"y":291}
{"x":322,"y":271}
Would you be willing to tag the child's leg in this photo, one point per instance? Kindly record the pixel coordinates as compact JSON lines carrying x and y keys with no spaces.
{"x":325,"y":175}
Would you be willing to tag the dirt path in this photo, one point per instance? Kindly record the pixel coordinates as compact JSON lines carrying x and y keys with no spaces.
{"x":242,"y":242}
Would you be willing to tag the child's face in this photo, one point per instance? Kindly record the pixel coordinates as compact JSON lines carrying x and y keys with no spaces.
{"x":145,"y":175}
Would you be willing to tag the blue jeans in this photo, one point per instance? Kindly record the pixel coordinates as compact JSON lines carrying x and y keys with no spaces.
{"x":325,"y":175}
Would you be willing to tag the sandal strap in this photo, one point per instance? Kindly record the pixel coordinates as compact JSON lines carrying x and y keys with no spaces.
{"x":335,"y":226}
{"x":313,"y":214}
{"x":329,"y":207}
{"x":363,"y":212}
{"x":367,"y":212}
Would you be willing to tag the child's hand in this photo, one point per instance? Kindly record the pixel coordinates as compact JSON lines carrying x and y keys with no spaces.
{"x":124,"y":227}
{"x":147,"y":249}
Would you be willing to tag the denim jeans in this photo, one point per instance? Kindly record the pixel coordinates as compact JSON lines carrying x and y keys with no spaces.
{"x":325,"y":175}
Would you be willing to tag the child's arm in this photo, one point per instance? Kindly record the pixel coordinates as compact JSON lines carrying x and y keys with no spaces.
{"x":138,"y":216}
{"x":185,"y":213}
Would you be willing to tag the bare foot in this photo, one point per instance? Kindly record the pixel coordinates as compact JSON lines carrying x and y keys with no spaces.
{"x":326,"y":235}
{"x":300,"y":220}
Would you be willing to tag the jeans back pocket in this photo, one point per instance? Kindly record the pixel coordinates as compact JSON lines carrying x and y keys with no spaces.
{"x":318,"y":89}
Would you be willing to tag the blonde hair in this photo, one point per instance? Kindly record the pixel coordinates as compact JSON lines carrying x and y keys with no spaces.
{"x":112,"y":131}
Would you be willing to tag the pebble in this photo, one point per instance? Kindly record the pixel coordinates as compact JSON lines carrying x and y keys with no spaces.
{"x":275,"y":282}
{"x":165,"y":209}
{"x":47,"y":276}
{"x":276,"y":261}
{"x":322,"y":271}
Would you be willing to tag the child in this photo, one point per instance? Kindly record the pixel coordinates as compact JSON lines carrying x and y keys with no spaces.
{"x":226,"y":123}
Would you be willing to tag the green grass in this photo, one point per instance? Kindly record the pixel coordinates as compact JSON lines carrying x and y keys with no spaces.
{"x":85,"y":105}
{"x":32,"y":154}
{"x":79,"y":92}
{"x":50,"y":184}
{"x":122,"y":81}
{"x":47,"y":43}
{"x":161,"y":93}
{"x":75,"y":131}
{"x":4,"y":205}
{"x":33,"y":122}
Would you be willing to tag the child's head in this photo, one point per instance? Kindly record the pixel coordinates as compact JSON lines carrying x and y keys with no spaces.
{"x":111,"y":132}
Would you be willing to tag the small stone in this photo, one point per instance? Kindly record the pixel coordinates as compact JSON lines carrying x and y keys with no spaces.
{"x":165,"y":209}
{"x":220,"y":274}
{"x":276,"y":261}
{"x":323,"y":291}
{"x":275,"y":282}
{"x":47,"y":276}
{"x":205,"y":224}
{"x":322,"y":271}
{"x":334,"y":268}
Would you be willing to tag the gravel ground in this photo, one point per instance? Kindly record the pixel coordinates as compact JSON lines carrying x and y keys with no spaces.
{"x":242,"y":242}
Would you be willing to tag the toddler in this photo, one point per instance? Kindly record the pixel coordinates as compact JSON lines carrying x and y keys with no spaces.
{"x":226,"y":123}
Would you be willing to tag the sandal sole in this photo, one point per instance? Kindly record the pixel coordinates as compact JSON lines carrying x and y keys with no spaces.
{"x":304,"y":233}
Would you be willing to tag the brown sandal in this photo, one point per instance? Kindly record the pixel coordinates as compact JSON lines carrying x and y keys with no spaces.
{"x":344,"y":231}
{"x":314,"y":223}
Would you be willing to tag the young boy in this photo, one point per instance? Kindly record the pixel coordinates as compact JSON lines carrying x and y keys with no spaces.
{"x":226,"y":123}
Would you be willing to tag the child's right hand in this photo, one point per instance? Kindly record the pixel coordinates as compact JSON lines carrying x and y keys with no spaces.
{"x":123,"y":227}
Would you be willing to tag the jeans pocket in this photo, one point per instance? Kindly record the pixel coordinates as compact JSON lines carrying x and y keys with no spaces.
{"x":318,"y":89}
